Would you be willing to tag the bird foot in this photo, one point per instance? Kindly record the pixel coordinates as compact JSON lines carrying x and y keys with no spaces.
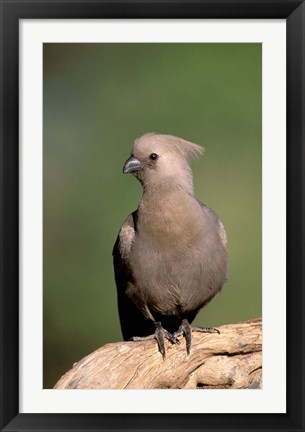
{"x":159,"y":335}
{"x":186,"y":330}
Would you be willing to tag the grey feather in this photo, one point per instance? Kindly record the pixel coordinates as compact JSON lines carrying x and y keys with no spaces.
{"x":170,"y":257}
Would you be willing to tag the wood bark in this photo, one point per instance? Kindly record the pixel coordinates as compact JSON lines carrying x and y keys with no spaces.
{"x":229,"y":360}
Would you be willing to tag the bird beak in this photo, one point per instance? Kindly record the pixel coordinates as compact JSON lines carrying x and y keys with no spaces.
{"x":132,"y":165}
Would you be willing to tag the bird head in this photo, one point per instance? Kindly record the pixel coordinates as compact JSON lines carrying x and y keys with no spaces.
{"x":159,"y":160}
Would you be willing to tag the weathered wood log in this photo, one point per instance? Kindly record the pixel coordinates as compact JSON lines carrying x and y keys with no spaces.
{"x":232,"y":359}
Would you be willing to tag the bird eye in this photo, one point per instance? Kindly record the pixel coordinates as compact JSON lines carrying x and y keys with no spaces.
{"x":153,"y":156}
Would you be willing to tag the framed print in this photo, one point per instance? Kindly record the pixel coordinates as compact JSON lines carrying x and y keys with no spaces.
{"x":87,"y":87}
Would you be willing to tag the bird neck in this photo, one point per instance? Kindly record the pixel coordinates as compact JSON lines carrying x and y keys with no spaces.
{"x":164,"y":196}
{"x":166,"y":188}
{"x":168,"y":214}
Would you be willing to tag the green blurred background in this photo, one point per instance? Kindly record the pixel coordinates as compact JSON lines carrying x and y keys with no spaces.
{"x":97,"y":98}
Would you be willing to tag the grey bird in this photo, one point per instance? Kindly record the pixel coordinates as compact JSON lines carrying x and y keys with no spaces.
{"x":170,"y":256}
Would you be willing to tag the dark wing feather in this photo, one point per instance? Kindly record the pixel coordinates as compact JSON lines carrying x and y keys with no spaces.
{"x":133,"y":322}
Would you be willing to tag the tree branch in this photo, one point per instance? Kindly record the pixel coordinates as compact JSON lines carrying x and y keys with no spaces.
{"x":232,"y":359}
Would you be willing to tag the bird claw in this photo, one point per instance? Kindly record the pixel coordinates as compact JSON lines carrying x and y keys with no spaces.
{"x":171,"y":337}
{"x":205,"y":330}
{"x":177,"y":341}
{"x":159,"y":335}
{"x":138,"y":338}
{"x":186,"y":330}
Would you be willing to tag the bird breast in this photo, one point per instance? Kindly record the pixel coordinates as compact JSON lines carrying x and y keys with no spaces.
{"x":176,"y":258}
{"x":173,"y":220}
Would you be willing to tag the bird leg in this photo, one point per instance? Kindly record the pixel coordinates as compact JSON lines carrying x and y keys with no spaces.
{"x":186,"y":330}
{"x":159,"y":335}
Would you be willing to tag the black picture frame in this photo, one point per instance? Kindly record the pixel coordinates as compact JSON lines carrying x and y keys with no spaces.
{"x":11,"y":12}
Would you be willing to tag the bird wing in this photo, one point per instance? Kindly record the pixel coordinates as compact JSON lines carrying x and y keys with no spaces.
{"x":220,"y":228}
{"x":126,"y":237}
{"x":121,"y":251}
{"x":132,"y":320}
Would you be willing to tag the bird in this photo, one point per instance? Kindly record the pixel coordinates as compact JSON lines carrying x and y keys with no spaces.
{"x":170,"y":256}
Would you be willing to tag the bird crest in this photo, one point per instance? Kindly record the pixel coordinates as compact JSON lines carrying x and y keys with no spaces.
{"x":178,"y":145}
